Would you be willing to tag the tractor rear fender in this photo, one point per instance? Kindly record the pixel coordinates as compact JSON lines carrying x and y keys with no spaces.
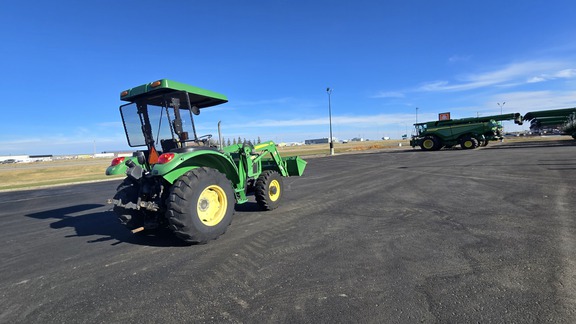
{"x":118,"y":165}
{"x":181,"y":163}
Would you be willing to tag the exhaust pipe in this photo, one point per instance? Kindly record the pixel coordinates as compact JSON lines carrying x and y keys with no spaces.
{"x":219,"y":136}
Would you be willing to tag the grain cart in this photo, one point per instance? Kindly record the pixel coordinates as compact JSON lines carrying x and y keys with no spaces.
{"x":181,"y":180}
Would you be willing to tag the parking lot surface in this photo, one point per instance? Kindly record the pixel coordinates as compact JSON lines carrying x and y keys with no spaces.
{"x":405,"y":236}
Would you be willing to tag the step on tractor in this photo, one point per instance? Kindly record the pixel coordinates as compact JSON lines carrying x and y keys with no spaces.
{"x":183,"y":181}
{"x":469,"y":133}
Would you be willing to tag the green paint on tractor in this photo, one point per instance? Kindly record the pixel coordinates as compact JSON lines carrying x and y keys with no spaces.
{"x":183,"y":181}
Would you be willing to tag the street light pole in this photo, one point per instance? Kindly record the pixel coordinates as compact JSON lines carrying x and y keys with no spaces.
{"x":329,"y":91}
{"x":501,"y":105}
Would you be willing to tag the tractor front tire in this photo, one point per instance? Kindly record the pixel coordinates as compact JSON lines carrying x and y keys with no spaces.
{"x":269,"y":189}
{"x":127,"y":192}
{"x":200,"y":205}
{"x":469,"y":142}
{"x":430,"y":143}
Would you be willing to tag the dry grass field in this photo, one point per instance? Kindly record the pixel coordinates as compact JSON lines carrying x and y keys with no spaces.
{"x":39,"y":174}
{"x":30,"y":175}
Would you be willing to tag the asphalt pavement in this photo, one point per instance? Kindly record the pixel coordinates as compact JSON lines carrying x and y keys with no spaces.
{"x":406,"y":236}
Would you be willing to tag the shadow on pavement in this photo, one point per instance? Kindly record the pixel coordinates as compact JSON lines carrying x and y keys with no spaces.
{"x":249,"y":206}
{"x":104,"y":224}
{"x":531,"y":144}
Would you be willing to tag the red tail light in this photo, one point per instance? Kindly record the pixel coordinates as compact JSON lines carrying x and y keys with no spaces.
{"x":117,"y":161}
{"x":165,"y":158}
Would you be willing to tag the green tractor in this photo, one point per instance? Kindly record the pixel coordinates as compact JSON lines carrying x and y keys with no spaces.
{"x":184,"y":181}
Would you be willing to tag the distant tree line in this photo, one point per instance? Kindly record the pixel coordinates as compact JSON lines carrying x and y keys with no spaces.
{"x":239,"y":140}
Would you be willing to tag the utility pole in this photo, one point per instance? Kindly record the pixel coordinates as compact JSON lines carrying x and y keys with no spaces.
{"x":501,"y":106}
{"x":329,"y":91}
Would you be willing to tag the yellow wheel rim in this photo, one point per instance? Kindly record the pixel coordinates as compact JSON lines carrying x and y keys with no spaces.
{"x":428,"y":144}
{"x":212,"y":205}
{"x":468,"y":144}
{"x":274,"y":190}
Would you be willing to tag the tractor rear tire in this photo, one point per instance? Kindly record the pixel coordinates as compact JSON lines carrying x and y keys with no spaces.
{"x":127,"y":192}
{"x":268,"y":190}
{"x":469,"y":142}
{"x":200,"y":205}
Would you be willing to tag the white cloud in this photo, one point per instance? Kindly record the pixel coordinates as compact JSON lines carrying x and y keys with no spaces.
{"x":562,"y":74}
{"x":566,"y":74}
{"x":535,"y":79}
{"x":513,"y":74}
{"x":389,"y":94}
{"x":526,"y":101}
{"x":357,"y":121}
{"x":263,"y":102}
{"x":113,"y":124}
{"x":459,"y":58}
{"x":434,"y":86}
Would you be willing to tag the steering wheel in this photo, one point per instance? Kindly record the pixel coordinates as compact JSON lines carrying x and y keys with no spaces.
{"x":205,"y":138}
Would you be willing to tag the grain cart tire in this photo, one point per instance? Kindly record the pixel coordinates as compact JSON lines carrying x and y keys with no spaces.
{"x":268,"y":190}
{"x":430,"y":143}
{"x":127,"y":192}
{"x":468,"y":142}
{"x":200,"y":205}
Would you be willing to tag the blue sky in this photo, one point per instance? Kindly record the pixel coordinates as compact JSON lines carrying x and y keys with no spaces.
{"x":64,"y":64}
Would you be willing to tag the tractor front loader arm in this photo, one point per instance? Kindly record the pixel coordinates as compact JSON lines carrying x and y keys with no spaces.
{"x":286,"y":166}
{"x":269,"y":147}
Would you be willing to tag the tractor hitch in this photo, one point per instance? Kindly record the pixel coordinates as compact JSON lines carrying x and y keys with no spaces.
{"x":147,"y":205}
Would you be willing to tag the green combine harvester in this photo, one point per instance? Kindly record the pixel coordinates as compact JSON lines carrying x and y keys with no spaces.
{"x":181,"y":180}
{"x":469,"y":133}
{"x":562,"y":119}
{"x":569,"y":127}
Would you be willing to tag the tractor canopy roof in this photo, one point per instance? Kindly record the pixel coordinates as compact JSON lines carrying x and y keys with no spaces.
{"x":154,"y":92}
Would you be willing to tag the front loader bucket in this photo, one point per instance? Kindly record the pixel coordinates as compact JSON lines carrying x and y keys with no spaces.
{"x":295,"y":165}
